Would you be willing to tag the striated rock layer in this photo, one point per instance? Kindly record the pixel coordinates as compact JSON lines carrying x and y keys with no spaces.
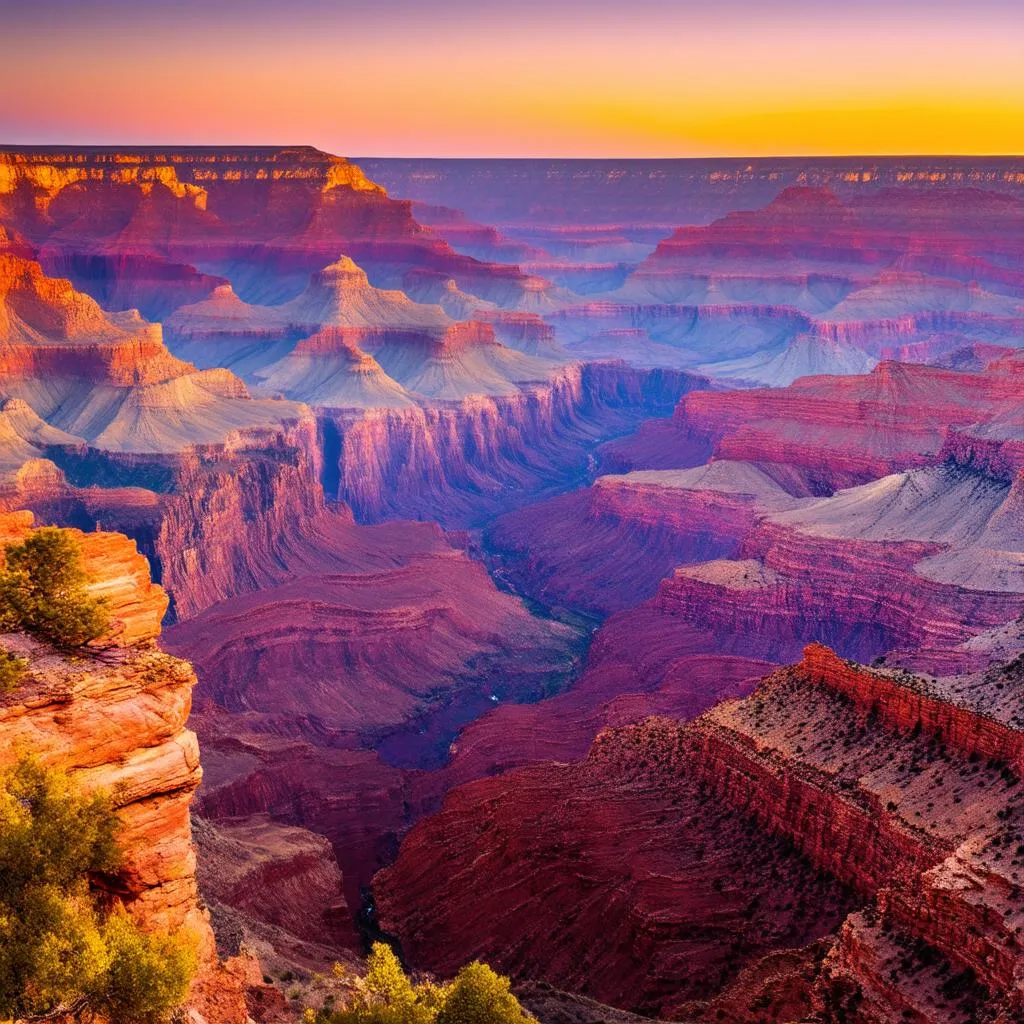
{"x":462,"y":463}
{"x":612,"y":877}
{"x":117,"y":723}
{"x":273,"y":887}
{"x":264,"y":218}
{"x":845,"y":431}
{"x":322,"y":696}
{"x":903,"y":790}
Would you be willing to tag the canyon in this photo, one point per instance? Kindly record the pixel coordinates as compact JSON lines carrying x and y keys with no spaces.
{"x":878,"y":797}
{"x":617,"y":582}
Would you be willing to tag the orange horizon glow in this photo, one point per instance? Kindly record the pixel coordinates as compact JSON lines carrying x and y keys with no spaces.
{"x":766,"y":84}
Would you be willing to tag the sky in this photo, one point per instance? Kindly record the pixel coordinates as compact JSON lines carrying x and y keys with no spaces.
{"x":605,"y":78}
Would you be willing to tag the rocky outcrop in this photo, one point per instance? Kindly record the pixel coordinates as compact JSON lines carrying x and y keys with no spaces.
{"x":931,"y":825}
{"x":271,"y":883}
{"x":361,"y":804}
{"x":841,"y":431}
{"x":116,"y":722}
{"x":670,"y":895}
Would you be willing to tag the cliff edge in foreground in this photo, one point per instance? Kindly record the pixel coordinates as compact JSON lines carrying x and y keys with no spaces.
{"x":113,"y":717}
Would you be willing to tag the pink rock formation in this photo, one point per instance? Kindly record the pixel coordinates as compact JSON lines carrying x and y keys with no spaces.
{"x":840,"y":431}
{"x":669,"y":895}
{"x":264,"y":218}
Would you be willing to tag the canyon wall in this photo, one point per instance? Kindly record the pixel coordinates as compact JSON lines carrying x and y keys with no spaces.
{"x":460,"y":463}
{"x":903,"y":789}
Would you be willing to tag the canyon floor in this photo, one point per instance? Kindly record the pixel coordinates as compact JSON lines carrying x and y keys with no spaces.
{"x":619,"y":583}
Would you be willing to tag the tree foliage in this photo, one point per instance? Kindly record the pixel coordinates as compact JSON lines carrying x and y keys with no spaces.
{"x":43,"y":590}
{"x":13,"y":671}
{"x":147,"y":975}
{"x":56,"y":948}
{"x":387,"y":996}
{"x":479,"y":995}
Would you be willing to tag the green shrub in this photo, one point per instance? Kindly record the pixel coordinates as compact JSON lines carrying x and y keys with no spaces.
{"x":148,"y":975}
{"x":13,"y":671}
{"x":55,"y":947}
{"x":42,"y":590}
{"x":480,"y":996}
{"x":387,"y":996}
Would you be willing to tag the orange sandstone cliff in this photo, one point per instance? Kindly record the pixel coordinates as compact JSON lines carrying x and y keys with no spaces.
{"x":115,"y":719}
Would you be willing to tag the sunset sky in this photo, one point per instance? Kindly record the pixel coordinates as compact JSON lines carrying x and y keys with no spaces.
{"x":461,"y":78}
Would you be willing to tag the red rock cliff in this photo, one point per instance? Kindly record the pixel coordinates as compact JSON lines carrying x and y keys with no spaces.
{"x":118,"y":723}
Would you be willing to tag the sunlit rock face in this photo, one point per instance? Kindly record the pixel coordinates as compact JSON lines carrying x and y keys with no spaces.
{"x":115,"y":719}
{"x":263,"y":218}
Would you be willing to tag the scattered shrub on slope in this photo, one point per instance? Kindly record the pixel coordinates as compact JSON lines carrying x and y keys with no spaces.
{"x":387,"y":996}
{"x":13,"y":671}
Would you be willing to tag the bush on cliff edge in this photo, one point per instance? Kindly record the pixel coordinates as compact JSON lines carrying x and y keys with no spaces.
{"x":387,"y":996}
{"x":43,"y":590}
{"x":57,"y":948}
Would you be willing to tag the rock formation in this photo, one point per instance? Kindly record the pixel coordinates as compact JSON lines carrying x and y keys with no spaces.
{"x":117,"y":723}
{"x":263,"y":218}
{"x":899,"y":790}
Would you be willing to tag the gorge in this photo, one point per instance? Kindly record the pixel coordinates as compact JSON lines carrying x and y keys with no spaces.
{"x":620,"y":585}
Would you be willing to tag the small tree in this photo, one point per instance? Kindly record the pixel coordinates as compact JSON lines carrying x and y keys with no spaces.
{"x":42,"y":590}
{"x":51,"y":837}
{"x":387,"y":996}
{"x":55,"y":948}
{"x":13,"y":671}
{"x":480,"y":996}
{"x":147,"y":975}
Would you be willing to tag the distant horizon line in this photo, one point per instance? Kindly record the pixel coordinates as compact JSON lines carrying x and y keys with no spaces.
{"x":128,"y":147}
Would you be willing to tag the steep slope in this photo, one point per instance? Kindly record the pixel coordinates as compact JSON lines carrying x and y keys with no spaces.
{"x":118,"y":723}
{"x":329,"y":370}
{"x":274,"y":888}
{"x":223,"y":330}
{"x":806,"y":355}
{"x":462,"y":462}
{"x":669,"y":896}
{"x":900,"y":792}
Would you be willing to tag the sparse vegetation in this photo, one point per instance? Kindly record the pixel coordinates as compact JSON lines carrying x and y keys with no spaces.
{"x":13,"y":671}
{"x":57,"y":948}
{"x":477,"y":995}
{"x":43,"y":591}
